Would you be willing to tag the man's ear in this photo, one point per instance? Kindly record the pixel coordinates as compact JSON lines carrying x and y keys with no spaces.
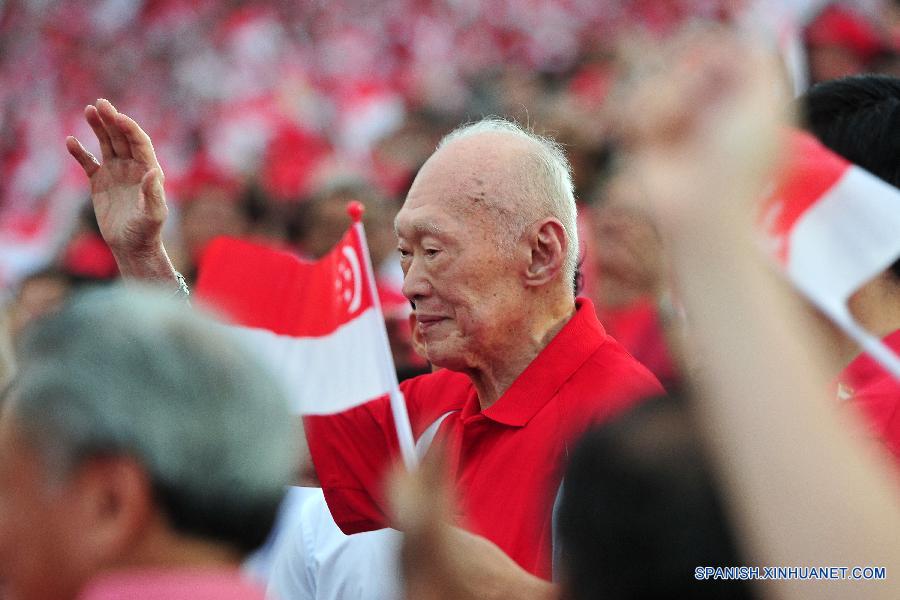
{"x":549,"y":244}
{"x":115,"y":505}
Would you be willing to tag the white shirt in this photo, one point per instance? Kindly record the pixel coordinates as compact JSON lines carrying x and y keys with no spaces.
{"x":316,"y":561}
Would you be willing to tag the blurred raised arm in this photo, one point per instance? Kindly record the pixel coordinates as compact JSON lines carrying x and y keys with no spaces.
{"x":805,"y":486}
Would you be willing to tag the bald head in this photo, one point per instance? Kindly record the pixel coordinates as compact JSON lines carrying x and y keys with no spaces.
{"x":519,"y":176}
{"x":488,"y":248}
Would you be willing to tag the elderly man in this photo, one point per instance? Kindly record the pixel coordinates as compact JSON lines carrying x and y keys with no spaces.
{"x":141,"y":455}
{"x":489,"y":249}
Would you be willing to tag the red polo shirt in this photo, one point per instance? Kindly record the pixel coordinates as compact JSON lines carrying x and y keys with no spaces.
{"x":508,"y":459}
{"x":877,"y":394}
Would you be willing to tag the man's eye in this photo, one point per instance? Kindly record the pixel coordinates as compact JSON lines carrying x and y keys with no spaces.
{"x":431,"y":252}
{"x":403,"y":253}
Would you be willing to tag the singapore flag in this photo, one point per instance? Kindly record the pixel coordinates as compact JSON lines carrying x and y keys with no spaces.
{"x":318,"y":325}
{"x":832,"y":227}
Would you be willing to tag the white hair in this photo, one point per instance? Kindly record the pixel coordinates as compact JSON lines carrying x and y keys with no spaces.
{"x":550,"y":182}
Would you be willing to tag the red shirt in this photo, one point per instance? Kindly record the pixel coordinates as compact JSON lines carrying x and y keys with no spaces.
{"x":508,"y":459}
{"x":876,"y":393}
{"x":638,"y":328}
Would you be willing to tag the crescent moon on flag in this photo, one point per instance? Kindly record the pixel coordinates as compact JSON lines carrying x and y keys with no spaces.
{"x":351,"y":257}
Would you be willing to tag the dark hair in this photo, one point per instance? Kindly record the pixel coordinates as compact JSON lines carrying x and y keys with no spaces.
{"x":858,"y":117}
{"x":640,"y":511}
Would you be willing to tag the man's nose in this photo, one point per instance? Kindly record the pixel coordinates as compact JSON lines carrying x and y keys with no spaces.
{"x":415,"y":281}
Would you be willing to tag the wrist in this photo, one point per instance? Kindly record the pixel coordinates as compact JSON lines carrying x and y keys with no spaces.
{"x":128,"y":250}
{"x":148,"y":263}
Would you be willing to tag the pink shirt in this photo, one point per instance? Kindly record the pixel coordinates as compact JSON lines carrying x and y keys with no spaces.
{"x":172,"y":585}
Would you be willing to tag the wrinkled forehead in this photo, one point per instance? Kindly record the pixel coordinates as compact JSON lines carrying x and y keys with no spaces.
{"x":444,"y":211}
{"x":470,"y":180}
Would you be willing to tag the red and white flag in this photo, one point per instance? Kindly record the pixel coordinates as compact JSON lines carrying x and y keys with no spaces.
{"x":833,"y":227}
{"x":318,"y":325}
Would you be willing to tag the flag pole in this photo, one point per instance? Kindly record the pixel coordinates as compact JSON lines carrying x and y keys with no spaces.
{"x":398,"y":403}
{"x":870,"y":344}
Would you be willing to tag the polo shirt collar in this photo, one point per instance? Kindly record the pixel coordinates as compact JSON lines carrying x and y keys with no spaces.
{"x":542,"y":378}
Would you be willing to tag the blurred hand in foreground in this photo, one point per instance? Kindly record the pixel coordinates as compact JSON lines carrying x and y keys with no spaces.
{"x":704,"y":126}
{"x":702,"y":122}
{"x":443,"y":562}
{"x":629,"y":252}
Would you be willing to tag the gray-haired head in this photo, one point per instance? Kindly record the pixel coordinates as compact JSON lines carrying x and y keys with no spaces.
{"x":547,"y":182}
{"x":132,"y":373}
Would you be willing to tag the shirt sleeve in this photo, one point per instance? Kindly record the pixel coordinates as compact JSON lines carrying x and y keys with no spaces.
{"x":352,"y":452}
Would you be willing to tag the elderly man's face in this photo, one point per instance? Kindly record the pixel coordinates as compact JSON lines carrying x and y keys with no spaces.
{"x":36,"y":529}
{"x":464,"y":283}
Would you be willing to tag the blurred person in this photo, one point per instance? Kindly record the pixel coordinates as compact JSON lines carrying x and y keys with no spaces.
{"x":266,"y":216}
{"x":38,"y":294}
{"x":630,"y":290}
{"x":842,"y":41}
{"x":141,"y":455}
{"x":889,"y":14}
{"x":85,"y":258}
{"x":212,"y":212}
{"x":805,"y":486}
{"x":319,"y":223}
{"x":399,"y":155}
{"x":857,"y":117}
{"x":213,"y":204}
{"x":641,"y":510}
{"x":489,"y":251}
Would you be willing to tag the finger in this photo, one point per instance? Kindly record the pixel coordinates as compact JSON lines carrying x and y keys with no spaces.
{"x":108,"y":113}
{"x":139,"y":142}
{"x":421,"y":496}
{"x":87,"y":160}
{"x":92,"y":116}
{"x":154,"y":195}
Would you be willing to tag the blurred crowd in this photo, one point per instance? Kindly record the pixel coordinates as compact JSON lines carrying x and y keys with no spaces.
{"x":269,"y":116}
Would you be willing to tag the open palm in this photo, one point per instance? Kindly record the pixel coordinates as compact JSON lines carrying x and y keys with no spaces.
{"x":126,"y":188}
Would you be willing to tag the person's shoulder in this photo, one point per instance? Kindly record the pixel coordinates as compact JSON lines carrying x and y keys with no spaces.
{"x":612,"y":363}
{"x":609,"y":380}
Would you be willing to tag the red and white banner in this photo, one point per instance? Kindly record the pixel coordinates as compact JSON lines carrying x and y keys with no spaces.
{"x":318,"y":325}
{"x":833,"y":227}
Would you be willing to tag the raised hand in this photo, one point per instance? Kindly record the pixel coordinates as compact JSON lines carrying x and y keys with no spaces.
{"x":127,"y":192}
{"x":702,"y":124}
{"x":442,"y":562}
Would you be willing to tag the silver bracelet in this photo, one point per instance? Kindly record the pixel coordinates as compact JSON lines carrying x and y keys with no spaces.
{"x":183,"y":291}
